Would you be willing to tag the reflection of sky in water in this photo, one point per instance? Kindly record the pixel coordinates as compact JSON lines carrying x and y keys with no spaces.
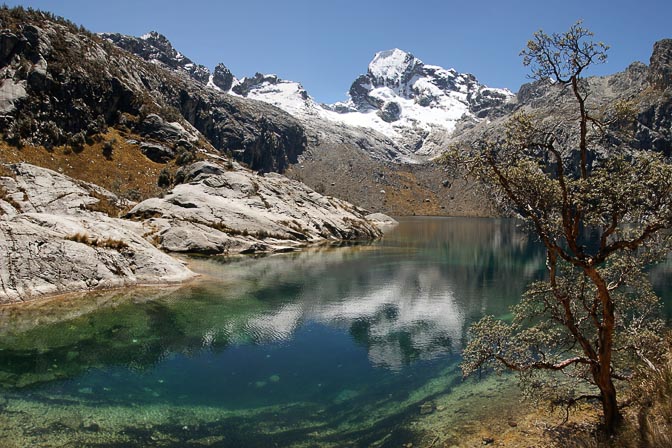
{"x":401,"y":295}
{"x":416,"y":303}
{"x":408,"y":297}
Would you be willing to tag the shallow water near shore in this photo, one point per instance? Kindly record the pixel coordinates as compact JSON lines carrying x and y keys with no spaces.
{"x":341,"y":346}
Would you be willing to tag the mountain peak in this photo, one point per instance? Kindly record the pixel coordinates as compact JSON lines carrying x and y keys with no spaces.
{"x":154,"y":35}
{"x":392,"y":65}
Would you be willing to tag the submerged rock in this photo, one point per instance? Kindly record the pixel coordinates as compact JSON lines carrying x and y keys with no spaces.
{"x":427,"y":408}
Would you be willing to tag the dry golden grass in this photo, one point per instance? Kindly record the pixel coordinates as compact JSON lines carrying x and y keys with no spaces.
{"x":4,"y":171}
{"x":655,"y":399}
{"x":109,"y":243}
{"x":407,"y":194}
{"x":127,"y":173}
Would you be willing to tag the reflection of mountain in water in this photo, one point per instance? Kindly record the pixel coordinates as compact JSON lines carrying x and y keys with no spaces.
{"x":408,"y":297}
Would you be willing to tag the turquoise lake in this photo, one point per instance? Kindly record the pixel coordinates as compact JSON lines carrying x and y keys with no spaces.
{"x":334,"y":346}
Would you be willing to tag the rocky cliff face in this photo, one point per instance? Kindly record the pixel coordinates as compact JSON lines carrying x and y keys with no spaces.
{"x":646,"y":89}
{"x":660,"y":68}
{"x":654,"y":121}
{"x":63,"y":86}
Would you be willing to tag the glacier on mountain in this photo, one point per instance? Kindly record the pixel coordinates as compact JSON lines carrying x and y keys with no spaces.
{"x":399,"y":97}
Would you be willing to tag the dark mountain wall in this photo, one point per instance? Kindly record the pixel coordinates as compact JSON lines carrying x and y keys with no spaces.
{"x":61,"y":84}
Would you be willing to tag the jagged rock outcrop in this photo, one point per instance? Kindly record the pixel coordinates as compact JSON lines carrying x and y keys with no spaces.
{"x":155,"y":47}
{"x":660,"y":68}
{"x":222,"y":77}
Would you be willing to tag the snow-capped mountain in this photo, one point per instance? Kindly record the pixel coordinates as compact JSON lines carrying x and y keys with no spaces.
{"x":399,"y":86}
{"x":409,"y":103}
{"x":399,"y":96}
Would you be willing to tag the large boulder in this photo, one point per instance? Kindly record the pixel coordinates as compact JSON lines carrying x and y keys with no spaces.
{"x":153,"y":126}
{"x":51,"y":240}
{"x":156,"y":152}
{"x":225,"y":211}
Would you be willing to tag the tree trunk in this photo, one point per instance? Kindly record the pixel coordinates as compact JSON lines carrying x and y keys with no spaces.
{"x":602,"y":373}
{"x":612,"y":416}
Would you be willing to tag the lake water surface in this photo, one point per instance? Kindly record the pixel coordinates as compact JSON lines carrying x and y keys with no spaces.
{"x":337,"y":346}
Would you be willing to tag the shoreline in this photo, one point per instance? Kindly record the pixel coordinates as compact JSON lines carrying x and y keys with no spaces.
{"x":496,"y":415}
{"x":188,"y":259}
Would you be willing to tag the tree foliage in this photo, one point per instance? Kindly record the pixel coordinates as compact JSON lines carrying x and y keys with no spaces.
{"x":603,"y":212}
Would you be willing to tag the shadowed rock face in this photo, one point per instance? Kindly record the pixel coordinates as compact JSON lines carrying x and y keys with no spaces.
{"x":62,"y":85}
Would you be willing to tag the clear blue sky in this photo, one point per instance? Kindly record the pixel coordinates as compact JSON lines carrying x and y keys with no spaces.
{"x":325,"y":44}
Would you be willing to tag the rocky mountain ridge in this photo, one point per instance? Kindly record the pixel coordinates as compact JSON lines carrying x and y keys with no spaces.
{"x":645,"y":90}
{"x":62,"y":85}
{"x":399,"y":97}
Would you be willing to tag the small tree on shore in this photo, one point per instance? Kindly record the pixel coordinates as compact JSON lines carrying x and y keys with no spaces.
{"x":602,"y":210}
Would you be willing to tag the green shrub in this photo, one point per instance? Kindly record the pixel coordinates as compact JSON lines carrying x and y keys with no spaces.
{"x":108,"y":148}
{"x":165,"y":179}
